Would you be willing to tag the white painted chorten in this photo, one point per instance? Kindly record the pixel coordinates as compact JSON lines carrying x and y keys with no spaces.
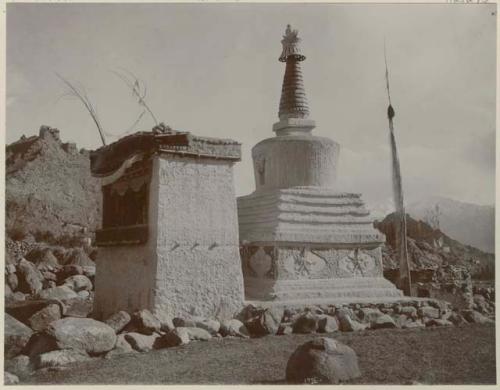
{"x":303,"y":241}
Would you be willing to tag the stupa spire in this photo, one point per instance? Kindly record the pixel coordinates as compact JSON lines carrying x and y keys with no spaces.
{"x":293,"y":109}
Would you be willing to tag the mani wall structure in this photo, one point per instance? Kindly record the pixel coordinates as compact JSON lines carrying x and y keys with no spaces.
{"x":302,"y":240}
{"x":169,"y":240}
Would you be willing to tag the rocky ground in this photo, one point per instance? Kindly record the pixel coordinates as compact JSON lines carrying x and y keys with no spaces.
{"x":461,"y":355}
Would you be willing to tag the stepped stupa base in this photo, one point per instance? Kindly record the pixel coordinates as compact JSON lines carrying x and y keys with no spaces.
{"x":320,"y":291}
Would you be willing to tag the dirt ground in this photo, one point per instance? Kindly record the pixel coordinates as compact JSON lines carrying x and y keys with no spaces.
{"x":451,"y":355}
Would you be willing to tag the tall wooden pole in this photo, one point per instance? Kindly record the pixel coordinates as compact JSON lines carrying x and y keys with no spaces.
{"x":404,"y":278}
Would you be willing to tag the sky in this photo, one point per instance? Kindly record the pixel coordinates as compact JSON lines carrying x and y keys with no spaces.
{"x":213,"y":69}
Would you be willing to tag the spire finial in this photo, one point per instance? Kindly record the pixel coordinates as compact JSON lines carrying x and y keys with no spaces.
{"x":293,"y":110}
{"x":290,"y":44}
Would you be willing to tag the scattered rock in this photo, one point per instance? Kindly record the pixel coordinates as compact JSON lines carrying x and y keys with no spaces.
{"x":383,"y":321}
{"x":79,"y":257}
{"x":18,"y":296}
{"x":233,"y":327}
{"x":476,"y":318}
{"x":83,"y":334}
{"x":84,"y":294}
{"x":178,"y":336}
{"x":198,"y":334}
{"x":78,"y":283}
{"x":211,"y":326}
{"x":89,"y":271}
{"x":43,"y":258}
{"x":70,"y":270}
{"x":266,"y":322}
{"x":40,"y":343}
{"x":122,"y":346}
{"x":59,"y":358}
{"x":285,"y":329}
{"x":347,"y":324}
{"x":428,"y":311}
{"x":143,"y":321}
{"x":438,"y":322}
{"x":41,"y":319}
{"x":10,"y":379}
{"x":30,"y":278}
{"x":19,"y":365}
{"x":456,"y":319}
{"x":307,"y":323}
{"x":59,"y":292}
{"x":118,"y":321}
{"x":368,"y":314}
{"x":78,"y":307}
{"x":16,"y":336}
{"x":413,"y":324}
{"x":410,"y":311}
{"x":180,"y":322}
{"x":322,"y":361}
{"x":327,"y":324}
{"x":12,"y":281}
{"x":141,"y":342}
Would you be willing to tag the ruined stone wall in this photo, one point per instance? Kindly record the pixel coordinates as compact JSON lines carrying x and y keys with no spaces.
{"x":198,"y":265}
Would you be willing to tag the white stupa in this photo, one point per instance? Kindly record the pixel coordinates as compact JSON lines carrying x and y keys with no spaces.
{"x":303,"y":241}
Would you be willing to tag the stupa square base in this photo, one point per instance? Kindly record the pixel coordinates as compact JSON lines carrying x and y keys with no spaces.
{"x":305,"y":274}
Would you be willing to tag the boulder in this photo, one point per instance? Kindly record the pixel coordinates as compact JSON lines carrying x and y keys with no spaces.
{"x":438,"y":322}
{"x":19,"y":365}
{"x":41,"y":319}
{"x":307,"y":323}
{"x":13,"y":298}
{"x":197,"y":334}
{"x":233,"y":327}
{"x":77,"y":307}
{"x":413,"y":324}
{"x":166,"y":322}
{"x":49,"y":276}
{"x":30,"y":278}
{"x":12,"y":281}
{"x":456,"y":319}
{"x":383,"y":321}
{"x":42,"y":257}
{"x":83,"y":334}
{"x":122,"y":347}
{"x":39,"y":343}
{"x":285,"y":329}
{"x":141,"y":342}
{"x":16,"y":336}
{"x":178,"y":336}
{"x":322,"y":361}
{"x":347,"y":324}
{"x":10,"y":379}
{"x":118,"y":321}
{"x":180,"y":322}
{"x":266,"y":322}
{"x":409,"y":311}
{"x":84,"y":294}
{"x":210,"y":325}
{"x":8,"y":291}
{"x":59,"y":292}
{"x":59,"y":358}
{"x":143,"y":321}
{"x":327,"y":324}
{"x":79,"y":257}
{"x":473,"y":316}
{"x":70,"y":270}
{"x":23,"y":310}
{"x":89,"y":271}
{"x":78,"y":283}
{"x":428,"y":311}
{"x":368,"y":314}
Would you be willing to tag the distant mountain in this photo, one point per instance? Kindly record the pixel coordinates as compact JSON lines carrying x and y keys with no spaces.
{"x":468,"y":223}
{"x":49,"y":189}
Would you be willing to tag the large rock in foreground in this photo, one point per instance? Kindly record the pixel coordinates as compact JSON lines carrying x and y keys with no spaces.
{"x":322,"y":361}
{"x":16,"y":336}
{"x":83,"y":334}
